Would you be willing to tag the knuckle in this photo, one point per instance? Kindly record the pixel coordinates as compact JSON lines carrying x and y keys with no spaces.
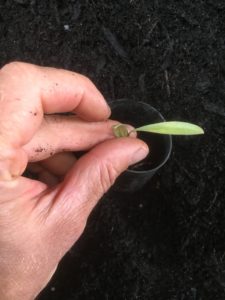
{"x":12,"y":66}
{"x":18,"y":68}
{"x":16,"y":73}
{"x":81,"y":78}
{"x":87,"y":80}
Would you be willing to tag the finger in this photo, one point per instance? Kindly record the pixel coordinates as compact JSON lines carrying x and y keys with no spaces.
{"x":38,"y":172}
{"x":52,"y":170}
{"x":50,"y":91}
{"x":66,"y":91}
{"x":48,"y":178}
{"x":59,"y":164}
{"x":26,"y":93}
{"x":90,"y":178}
{"x":67,"y":133}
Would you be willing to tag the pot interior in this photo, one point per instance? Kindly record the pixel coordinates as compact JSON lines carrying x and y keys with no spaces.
{"x":138,"y":114}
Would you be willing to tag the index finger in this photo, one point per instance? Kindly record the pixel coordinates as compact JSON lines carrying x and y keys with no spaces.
{"x":27,"y":92}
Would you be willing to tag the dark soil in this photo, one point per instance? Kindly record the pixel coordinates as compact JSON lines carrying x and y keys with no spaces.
{"x":168,"y":240}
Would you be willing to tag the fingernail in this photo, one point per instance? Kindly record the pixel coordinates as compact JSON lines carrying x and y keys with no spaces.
{"x":138,"y":155}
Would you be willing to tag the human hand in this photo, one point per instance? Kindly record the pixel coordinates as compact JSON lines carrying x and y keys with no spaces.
{"x":41,"y":219}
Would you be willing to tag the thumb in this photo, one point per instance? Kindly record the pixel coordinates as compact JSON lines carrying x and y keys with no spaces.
{"x":92,"y":175}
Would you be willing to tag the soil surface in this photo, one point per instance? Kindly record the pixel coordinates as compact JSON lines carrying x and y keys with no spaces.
{"x":168,"y":240}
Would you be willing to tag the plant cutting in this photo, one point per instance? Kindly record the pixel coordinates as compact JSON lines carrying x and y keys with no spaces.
{"x":170,"y":127}
{"x":157,"y":135}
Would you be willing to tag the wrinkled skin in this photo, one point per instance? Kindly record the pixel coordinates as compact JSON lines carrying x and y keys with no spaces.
{"x":41,"y":219}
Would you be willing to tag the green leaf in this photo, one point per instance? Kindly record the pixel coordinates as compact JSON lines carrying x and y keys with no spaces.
{"x":172,"y":127}
{"x":120,"y":130}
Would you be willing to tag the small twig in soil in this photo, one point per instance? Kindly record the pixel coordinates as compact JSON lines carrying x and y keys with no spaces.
{"x":141,"y":82}
{"x":148,"y":36}
{"x":112,"y":39}
{"x":212,"y":202}
{"x":167,"y":83}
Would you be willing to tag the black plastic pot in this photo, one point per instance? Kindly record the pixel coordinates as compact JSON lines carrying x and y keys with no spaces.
{"x":138,"y":114}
